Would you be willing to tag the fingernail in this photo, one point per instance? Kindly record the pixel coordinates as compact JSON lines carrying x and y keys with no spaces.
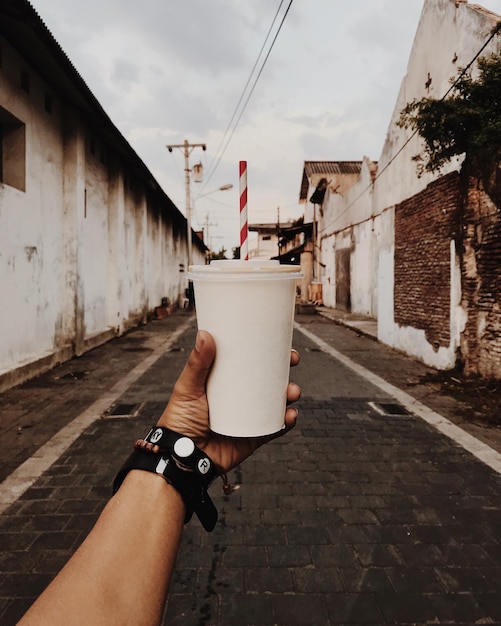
{"x":199,"y":342}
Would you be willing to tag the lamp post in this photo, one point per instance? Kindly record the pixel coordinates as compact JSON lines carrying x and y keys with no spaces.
{"x":187,"y":148}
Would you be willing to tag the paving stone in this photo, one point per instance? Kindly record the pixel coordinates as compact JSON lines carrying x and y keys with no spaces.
{"x":240,"y":609}
{"x":312,"y":580}
{"x":366,"y":580}
{"x":264,"y":535}
{"x":352,"y":518}
{"x":288,"y":556}
{"x":301,"y":609}
{"x":350,"y":608}
{"x":269,"y":580}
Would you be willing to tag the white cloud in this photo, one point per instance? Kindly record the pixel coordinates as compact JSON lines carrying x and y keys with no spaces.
{"x":168,"y":70}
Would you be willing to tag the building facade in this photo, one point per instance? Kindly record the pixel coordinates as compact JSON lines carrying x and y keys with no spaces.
{"x":420,"y":254}
{"x":89,"y":242}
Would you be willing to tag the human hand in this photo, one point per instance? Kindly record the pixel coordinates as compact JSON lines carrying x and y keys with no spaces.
{"x":188,"y":413}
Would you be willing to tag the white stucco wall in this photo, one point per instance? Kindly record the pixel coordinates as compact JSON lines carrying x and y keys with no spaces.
{"x":31,"y":252}
{"x":346,"y":222}
{"x":328,"y":274}
{"x":84,"y":254}
{"x":448,"y":37}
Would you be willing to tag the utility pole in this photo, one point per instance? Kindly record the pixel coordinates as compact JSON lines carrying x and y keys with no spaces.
{"x":187,"y":149}
{"x":278,"y":232}
{"x":208,"y":224}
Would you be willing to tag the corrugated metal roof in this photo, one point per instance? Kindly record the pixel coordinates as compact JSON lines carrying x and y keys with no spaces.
{"x":25,"y":30}
{"x":332,"y":167}
{"x":328,"y":168}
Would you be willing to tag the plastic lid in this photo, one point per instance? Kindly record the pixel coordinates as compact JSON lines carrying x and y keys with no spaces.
{"x":244,"y":269}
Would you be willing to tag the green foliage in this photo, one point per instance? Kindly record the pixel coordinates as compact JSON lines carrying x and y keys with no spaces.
{"x":466,"y":122}
{"x":218,"y":256}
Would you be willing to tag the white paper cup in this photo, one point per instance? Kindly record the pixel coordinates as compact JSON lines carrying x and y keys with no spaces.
{"x":248,"y":307}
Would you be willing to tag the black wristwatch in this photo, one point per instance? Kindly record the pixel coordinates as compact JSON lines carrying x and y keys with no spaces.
{"x":189,"y":470}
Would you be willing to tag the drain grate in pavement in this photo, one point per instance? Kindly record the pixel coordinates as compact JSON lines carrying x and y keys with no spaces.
{"x":75,"y":375}
{"x":389,"y":408}
{"x":122,"y":410}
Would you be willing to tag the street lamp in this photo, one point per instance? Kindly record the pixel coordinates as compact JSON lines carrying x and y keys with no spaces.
{"x":187,"y":149}
{"x":222,"y":188}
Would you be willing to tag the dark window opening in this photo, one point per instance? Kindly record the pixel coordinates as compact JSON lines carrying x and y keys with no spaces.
{"x":12,"y":151}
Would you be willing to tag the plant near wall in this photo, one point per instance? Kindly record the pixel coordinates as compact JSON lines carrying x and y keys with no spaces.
{"x":467,"y":122}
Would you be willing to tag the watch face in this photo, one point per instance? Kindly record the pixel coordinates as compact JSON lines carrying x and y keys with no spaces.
{"x":184,"y":447}
{"x":156,"y":435}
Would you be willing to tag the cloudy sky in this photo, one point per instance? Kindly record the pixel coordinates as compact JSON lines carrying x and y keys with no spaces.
{"x":170,"y":70}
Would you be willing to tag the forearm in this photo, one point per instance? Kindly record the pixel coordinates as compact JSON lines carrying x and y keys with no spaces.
{"x":121,"y":573}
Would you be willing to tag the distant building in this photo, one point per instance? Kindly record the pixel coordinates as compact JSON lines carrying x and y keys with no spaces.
{"x":269,"y":239}
{"x":322,"y":181}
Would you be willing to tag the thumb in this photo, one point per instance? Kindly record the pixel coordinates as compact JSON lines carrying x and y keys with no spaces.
{"x":194,"y":375}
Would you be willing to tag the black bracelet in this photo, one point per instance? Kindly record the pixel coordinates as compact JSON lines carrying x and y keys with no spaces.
{"x":189,"y":470}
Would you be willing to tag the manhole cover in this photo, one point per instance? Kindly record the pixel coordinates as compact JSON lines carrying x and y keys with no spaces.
{"x":389,"y":408}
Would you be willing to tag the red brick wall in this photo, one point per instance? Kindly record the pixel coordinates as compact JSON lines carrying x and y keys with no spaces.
{"x":424,"y":227}
{"x":481,"y":283}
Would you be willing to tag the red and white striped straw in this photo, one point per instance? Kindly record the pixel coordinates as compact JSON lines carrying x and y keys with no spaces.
{"x":244,"y":227}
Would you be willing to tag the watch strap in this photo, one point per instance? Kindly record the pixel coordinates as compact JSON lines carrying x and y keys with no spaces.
{"x":189,"y":470}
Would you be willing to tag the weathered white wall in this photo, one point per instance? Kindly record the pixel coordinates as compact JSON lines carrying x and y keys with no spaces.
{"x":31,"y":248}
{"x":328,"y":277}
{"x":85,"y":253}
{"x":385,"y":277}
{"x":448,"y":36}
{"x":266,"y":246}
{"x":346,"y":222}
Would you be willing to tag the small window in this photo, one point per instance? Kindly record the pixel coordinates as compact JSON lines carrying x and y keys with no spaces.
{"x":266,"y":237}
{"x":12,"y":151}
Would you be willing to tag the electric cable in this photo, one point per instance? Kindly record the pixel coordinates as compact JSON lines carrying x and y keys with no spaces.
{"x":223,"y":143}
{"x":245,"y":89}
{"x":494,"y":32}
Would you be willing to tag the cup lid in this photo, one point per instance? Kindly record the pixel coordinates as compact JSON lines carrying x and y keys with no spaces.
{"x":256,"y":267}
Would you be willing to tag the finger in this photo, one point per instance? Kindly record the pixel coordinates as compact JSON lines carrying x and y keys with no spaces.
{"x":194,"y":375}
{"x":293,"y":392}
{"x":290,"y":418}
{"x":295,"y":358}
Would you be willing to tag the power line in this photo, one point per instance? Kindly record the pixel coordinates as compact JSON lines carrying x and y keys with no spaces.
{"x":223,"y":143}
{"x":494,"y":32}
{"x":244,"y":90}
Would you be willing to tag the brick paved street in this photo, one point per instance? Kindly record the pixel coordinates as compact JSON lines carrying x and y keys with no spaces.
{"x":356,"y":517}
